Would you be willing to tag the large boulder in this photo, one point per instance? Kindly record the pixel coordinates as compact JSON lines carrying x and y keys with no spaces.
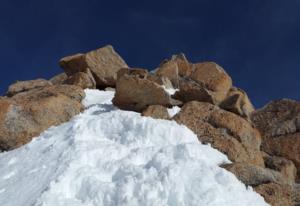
{"x":27,"y":114}
{"x":136,"y":94}
{"x":214,"y":78}
{"x":237,"y":101}
{"x":156,"y":112}
{"x":169,"y":69}
{"x":226,"y":131}
{"x":104,"y":64}
{"x":276,"y":194}
{"x":23,"y":86}
{"x":253,"y":175}
{"x":278,"y":118}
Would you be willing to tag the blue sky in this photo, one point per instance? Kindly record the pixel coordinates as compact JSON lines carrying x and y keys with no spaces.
{"x":257,"y":42}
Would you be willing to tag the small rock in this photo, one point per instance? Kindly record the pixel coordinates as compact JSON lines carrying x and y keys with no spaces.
{"x":23,"y":86}
{"x":156,"y":112}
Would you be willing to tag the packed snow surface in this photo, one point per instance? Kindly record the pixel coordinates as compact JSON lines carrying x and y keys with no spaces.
{"x":106,"y":156}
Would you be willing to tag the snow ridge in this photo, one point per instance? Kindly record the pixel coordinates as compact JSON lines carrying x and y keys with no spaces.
{"x":110,"y":157}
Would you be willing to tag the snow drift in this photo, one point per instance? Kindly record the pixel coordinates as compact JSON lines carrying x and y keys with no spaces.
{"x":110,"y":157}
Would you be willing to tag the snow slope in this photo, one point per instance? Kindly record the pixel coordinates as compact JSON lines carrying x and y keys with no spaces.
{"x":110,"y":157}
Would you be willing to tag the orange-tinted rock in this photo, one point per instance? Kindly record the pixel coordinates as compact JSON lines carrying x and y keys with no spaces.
{"x":184,"y":66}
{"x":104,"y":64}
{"x":214,"y":78}
{"x":226,"y":131}
{"x":23,"y":86}
{"x":156,"y":112}
{"x":136,"y":94}
{"x":28,"y":114}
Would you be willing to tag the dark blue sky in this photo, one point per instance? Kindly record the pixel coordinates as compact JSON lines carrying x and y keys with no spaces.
{"x":256,"y":41}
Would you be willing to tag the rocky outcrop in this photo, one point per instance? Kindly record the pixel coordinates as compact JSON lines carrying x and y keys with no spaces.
{"x":226,"y":131}
{"x":136,"y":94}
{"x":23,"y":86}
{"x":27,"y":114}
{"x":156,"y":112}
{"x":279,"y":124}
{"x":237,"y":101}
{"x":104,"y":64}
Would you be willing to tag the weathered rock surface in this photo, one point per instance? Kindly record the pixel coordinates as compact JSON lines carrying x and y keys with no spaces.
{"x":27,"y":114}
{"x":59,"y":79}
{"x":156,"y":112}
{"x":226,"y":131}
{"x":141,"y":73}
{"x":253,"y":175}
{"x":285,"y":146}
{"x":278,"y":118}
{"x":214,"y":78}
{"x":104,"y":64}
{"x":276,"y":194}
{"x":190,"y":90}
{"x":169,"y":69}
{"x":85,"y":80}
{"x":23,"y":86}
{"x":237,"y":101}
{"x":161,"y":80}
{"x":136,"y":94}
{"x":284,"y":166}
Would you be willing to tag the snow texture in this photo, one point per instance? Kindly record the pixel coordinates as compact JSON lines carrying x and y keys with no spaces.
{"x":110,"y":157}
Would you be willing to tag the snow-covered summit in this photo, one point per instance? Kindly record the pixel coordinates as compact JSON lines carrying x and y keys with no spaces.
{"x":110,"y":157}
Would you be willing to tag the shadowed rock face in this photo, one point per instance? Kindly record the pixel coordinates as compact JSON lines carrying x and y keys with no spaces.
{"x":28,"y":114}
{"x":85,"y":80}
{"x":226,"y":131}
{"x":104,"y":64}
